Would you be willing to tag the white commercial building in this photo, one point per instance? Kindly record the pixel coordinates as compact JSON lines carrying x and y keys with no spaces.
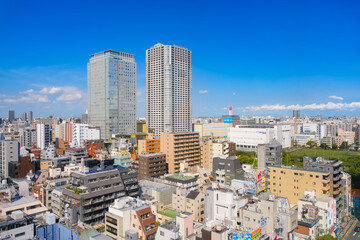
{"x":168,"y":88}
{"x":318,"y":129}
{"x":216,"y":130}
{"x":112,"y":93}
{"x":247,"y":137}
{"x":43,"y":135}
{"x":83,"y":132}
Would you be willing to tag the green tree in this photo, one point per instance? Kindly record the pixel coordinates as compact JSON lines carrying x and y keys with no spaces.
{"x":334,"y":147}
{"x":326,"y":237}
{"x":324,"y":146}
{"x":311,"y":144}
{"x":344,"y":146}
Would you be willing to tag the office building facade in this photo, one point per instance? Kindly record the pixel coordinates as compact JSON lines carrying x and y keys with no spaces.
{"x":112,"y":92}
{"x":11,"y":116}
{"x":168,"y":88}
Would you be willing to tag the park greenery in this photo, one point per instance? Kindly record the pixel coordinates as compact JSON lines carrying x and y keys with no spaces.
{"x":351,"y":160}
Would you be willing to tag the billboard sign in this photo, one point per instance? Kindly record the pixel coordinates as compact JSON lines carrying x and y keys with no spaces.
{"x":228,"y":120}
{"x":255,"y":234}
{"x":241,"y":236}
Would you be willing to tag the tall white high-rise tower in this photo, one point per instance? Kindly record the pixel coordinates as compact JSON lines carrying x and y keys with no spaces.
{"x":168,"y":88}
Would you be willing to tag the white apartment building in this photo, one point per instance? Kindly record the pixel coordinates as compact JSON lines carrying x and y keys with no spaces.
{"x":318,"y":129}
{"x":83,"y":132}
{"x":216,"y":130}
{"x":112,"y":93}
{"x":43,"y":135}
{"x":168,"y":88}
{"x":9,"y":152}
{"x":310,"y":206}
{"x":27,"y":136}
{"x":247,"y":137}
{"x":221,"y":205}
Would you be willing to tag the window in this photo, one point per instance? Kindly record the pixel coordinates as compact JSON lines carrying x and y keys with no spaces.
{"x":20,"y":234}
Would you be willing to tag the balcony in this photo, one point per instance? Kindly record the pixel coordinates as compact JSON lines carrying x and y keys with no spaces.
{"x":325,"y":181}
{"x":337,"y":191}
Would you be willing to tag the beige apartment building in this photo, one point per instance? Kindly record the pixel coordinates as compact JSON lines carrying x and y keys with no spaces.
{"x":210,"y":149}
{"x":149,"y":145}
{"x":180,"y":147}
{"x":291,"y":182}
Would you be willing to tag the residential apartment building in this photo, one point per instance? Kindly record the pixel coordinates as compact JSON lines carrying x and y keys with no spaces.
{"x":43,"y":137}
{"x":9,"y":152}
{"x":181,"y":229}
{"x":152,"y":165}
{"x":210,"y":149}
{"x":17,"y":226}
{"x":149,"y":145}
{"x":226,"y":169}
{"x":180,"y":147}
{"x":127,"y":216}
{"x":311,"y":206}
{"x":112,"y":93}
{"x":269,"y":154}
{"x":168,"y":89}
{"x":346,"y":136}
{"x":195,"y":204}
{"x":27,"y":136}
{"x":335,"y":179}
{"x":248,"y":137}
{"x":82,"y":132}
{"x":94,"y":190}
{"x":291,"y":182}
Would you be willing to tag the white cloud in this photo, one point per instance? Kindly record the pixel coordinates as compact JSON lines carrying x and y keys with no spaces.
{"x":67,"y":93}
{"x":139,"y":93}
{"x":30,"y":97}
{"x":336,"y":97}
{"x":203,"y":91}
{"x":314,"y":106}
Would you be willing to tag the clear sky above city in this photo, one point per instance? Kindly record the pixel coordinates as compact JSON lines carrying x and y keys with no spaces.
{"x":261,"y":57}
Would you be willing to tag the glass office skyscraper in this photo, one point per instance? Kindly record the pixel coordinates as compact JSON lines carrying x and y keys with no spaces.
{"x":112,"y":93}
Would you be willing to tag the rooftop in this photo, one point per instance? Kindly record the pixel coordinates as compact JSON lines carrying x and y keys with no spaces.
{"x":170,"y":213}
{"x":179,"y":177}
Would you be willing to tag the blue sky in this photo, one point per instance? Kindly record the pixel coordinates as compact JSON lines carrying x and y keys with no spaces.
{"x":261,"y":57}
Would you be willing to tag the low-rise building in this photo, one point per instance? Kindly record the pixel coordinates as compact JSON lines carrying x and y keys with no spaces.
{"x":94,"y":190}
{"x":128,"y":216}
{"x":226,"y":169}
{"x":291,"y":182}
{"x":182,"y":228}
{"x":149,"y":145}
{"x":152,"y":165}
{"x":269,"y":154}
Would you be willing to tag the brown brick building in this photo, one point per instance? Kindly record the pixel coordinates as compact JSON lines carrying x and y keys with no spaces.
{"x":152,"y":165}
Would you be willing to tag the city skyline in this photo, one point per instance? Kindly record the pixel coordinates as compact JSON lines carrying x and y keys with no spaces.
{"x":308,"y":62}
